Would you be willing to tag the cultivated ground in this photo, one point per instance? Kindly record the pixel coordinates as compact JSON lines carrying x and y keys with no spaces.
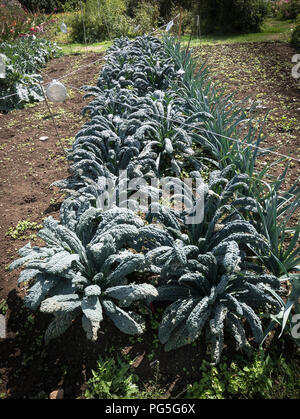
{"x":260,"y":71}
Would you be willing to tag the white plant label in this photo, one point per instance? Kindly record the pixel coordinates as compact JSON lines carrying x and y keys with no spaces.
{"x":296,"y":68}
{"x":2,"y":66}
{"x":56,"y":91}
{"x":169,"y":25}
{"x":63,"y":28}
{"x":181,"y":72}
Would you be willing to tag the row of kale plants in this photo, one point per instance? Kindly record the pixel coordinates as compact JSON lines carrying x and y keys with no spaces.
{"x":154,"y":115}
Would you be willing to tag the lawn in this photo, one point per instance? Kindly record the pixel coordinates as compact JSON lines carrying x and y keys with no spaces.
{"x":272,"y":30}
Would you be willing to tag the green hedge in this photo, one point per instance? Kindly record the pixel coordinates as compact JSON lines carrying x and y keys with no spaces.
{"x":295,"y":38}
{"x":230,"y":16}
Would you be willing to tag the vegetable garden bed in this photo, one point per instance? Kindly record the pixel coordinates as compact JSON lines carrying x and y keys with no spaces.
{"x":65,"y":369}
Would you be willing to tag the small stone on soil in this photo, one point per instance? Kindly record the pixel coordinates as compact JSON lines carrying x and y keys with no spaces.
{"x":57,"y":395}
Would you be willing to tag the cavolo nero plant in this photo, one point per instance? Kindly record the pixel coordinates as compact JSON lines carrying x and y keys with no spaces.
{"x":142,"y":64}
{"x":108,"y":145}
{"x":83,"y":271}
{"x":205,"y":273}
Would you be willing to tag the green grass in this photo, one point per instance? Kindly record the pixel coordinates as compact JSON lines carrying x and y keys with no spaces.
{"x":69,"y":49}
{"x":272,"y":30}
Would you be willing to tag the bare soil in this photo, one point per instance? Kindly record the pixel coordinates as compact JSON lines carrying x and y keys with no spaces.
{"x":262,"y":73}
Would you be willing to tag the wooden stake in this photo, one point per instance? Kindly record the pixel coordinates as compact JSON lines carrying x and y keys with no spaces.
{"x":198,"y":29}
{"x":83,"y":24}
{"x":180,"y":23}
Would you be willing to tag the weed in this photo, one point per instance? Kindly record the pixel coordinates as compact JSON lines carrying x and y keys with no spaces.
{"x":112,"y":379}
{"x":18,"y":232}
{"x":153,"y":390}
{"x":3,"y":307}
{"x":259,"y":378}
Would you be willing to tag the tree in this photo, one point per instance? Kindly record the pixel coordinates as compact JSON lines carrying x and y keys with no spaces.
{"x":225,"y":16}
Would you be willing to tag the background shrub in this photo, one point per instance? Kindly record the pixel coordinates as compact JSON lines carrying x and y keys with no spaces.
{"x":15,"y":22}
{"x":46,"y":6}
{"x":68,"y":5}
{"x":146,"y":16}
{"x":167,"y":5}
{"x":287,"y":9}
{"x":225,"y":16}
{"x":24,"y":58}
{"x":295,"y":38}
{"x":102,"y":20}
{"x":189,"y":20}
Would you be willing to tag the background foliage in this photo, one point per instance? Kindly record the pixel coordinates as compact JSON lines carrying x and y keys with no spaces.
{"x":46,"y":6}
{"x":24,"y":58}
{"x":295,"y":39}
{"x":99,"y":21}
{"x":146,"y":16}
{"x":16,"y":21}
{"x":108,"y":19}
{"x":286,"y":9}
{"x":231,"y":15}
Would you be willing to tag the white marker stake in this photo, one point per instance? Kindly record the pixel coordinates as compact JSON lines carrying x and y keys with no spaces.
{"x":56,"y":91}
{"x":63,"y":28}
{"x":2,"y":327}
{"x":2,"y":66}
{"x":169,"y":26}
